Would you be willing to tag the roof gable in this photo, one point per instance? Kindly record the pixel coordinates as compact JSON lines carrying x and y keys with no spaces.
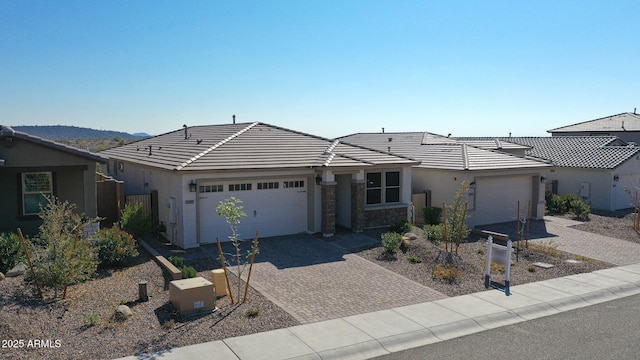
{"x":247,"y":146}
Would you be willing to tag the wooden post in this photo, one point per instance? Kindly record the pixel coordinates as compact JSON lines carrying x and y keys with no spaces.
{"x":28,"y":255}
{"x":253,"y":256}
{"x":518,"y":223}
{"x":224,"y":267}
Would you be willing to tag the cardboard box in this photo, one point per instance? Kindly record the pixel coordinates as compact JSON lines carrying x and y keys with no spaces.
{"x":192,"y":295}
{"x":219,"y":282}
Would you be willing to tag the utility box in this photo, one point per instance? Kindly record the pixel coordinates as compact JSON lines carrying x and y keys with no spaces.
{"x":192,"y":295}
{"x":219,"y":282}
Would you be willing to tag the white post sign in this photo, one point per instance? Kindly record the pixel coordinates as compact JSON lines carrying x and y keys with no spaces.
{"x":501,"y":255}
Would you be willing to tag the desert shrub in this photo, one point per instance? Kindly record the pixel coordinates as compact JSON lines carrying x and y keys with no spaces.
{"x":10,"y":251}
{"x":253,"y":312}
{"x":531,"y":268}
{"x":501,"y":268}
{"x":414,"y":259}
{"x":432,"y":215}
{"x":548,"y":248}
{"x":91,"y":319}
{"x":401,"y":227}
{"x":457,"y":229}
{"x":114,"y":246}
{"x":391,"y":242}
{"x":448,"y":273}
{"x":555,"y":204}
{"x":434,"y":233}
{"x":579,"y":209}
{"x":188,"y":272}
{"x":177,"y":261}
{"x":135,"y":222}
{"x":65,"y":257}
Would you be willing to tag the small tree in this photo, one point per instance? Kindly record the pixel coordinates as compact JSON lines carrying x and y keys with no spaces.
{"x":233,"y":212}
{"x":457,"y":229}
{"x":65,"y":257}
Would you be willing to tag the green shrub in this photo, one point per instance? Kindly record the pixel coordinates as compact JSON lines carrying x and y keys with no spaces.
{"x":555,"y":204}
{"x":579,"y":209}
{"x":135,"y":222}
{"x":177,"y":261}
{"x":432,"y":215}
{"x":10,"y":251}
{"x":414,"y":259}
{"x":65,"y":257}
{"x":401,"y":227}
{"x":253,"y":312}
{"x":114,"y":246}
{"x":188,"y":272}
{"x":391,"y":242}
{"x":91,"y":319}
{"x":447,"y":273}
{"x":434,"y":233}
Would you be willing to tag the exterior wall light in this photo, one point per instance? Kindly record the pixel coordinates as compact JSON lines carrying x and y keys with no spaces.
{"x":616,"y":178}
{"x":192,"y":186}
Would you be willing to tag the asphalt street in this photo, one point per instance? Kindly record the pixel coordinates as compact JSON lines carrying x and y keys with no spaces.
{"x":610,"y":330}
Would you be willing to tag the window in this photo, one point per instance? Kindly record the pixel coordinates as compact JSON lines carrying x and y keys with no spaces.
{"x":383,"y":187}
{"x":293,"y":184}
{"x":36,"y":187}
{"x":268,"y":185}
{"x":211,"y":188}
{"x":239,"y":187}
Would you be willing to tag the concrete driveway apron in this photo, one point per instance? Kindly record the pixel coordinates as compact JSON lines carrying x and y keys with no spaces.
{"x":315,"y":280}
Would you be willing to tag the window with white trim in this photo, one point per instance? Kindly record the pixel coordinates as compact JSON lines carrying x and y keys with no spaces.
{"x":383,"y":187}
{"x":293,"y":184}
{"x":36,"y":188}
{"x":268,"y":185}
{"x":239,"y":187}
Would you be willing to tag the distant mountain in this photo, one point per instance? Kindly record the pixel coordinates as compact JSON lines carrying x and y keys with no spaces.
{"x":64,"y":132}
{"x":141,"y":135}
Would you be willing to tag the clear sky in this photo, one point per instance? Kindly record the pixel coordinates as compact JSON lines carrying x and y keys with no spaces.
{"x":330,"y":68}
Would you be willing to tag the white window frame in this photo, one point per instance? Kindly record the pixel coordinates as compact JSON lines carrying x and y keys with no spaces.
{"x":39,"y":190}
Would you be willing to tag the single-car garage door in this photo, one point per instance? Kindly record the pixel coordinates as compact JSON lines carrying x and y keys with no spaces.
{"x":274,"y":207}
{"x":497,"y":199}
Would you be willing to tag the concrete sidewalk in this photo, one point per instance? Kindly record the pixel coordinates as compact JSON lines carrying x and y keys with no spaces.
{"x":378,"y":333}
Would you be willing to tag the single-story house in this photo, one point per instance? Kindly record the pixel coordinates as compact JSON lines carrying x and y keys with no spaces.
{"x":603,"y":170}
{"x":290,"y":182}
{"x":32,"y":167}
{"x":626,"y":126}
{"x":503,"y":186}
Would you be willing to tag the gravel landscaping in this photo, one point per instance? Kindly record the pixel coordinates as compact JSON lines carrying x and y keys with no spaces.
{"x":82,"y":326}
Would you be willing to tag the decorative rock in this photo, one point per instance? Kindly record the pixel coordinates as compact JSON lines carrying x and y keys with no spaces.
{"x":1,"y":276}
{"x":17,"y":270}
{"x":543,"y":265}
{"x":123,"y":312}
{"x":411,"y":236}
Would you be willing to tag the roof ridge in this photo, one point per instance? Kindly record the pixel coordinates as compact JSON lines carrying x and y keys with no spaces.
{"x":331,"y":146}
{"x":329,"y":159}
{"x":210,"y":149}
{"x":465,"y":157}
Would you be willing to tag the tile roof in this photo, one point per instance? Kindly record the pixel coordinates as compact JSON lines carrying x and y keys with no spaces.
{"x":440,"y":152}
{"x":619,"y":122}
{"x":7,"y":132}
{"x":597,"y":152}
{"x":247,"y":146}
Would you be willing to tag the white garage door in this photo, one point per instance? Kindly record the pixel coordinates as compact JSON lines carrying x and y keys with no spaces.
{"x":497,"y":199}
{"x":274,"y":207}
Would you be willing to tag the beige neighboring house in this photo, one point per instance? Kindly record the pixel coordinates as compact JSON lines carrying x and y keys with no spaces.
{"x":32,"y":168}
{"x":503,"y":185}
{"x":626,"y":126}
{"x":290,"y":182}
{"x":603,"y":170}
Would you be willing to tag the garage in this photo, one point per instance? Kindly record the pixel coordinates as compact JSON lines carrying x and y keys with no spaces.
{"x":274,"y":207}
{"x":499,"y":196}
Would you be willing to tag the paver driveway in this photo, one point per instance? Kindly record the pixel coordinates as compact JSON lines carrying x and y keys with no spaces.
{"x":315,"y":280}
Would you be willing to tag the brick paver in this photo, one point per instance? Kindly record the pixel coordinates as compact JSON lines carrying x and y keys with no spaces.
{"x":315,"y":280}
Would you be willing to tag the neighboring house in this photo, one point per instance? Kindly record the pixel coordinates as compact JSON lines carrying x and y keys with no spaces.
{"x":32,"y":168}
{"x":289,"y":182}
{"x":603,"y":170}
{"x":500,"y":182}
{"x":626,"y":126}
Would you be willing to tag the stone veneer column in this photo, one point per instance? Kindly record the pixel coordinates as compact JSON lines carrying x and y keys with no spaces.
{"x":328,"y":209}
{"x":357,"y":205}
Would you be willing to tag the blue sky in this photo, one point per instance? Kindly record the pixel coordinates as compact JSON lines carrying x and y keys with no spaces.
{"x":330,"y":68}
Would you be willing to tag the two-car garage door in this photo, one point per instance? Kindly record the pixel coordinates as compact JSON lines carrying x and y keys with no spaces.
{"x":497,"y":198}
{"x":274,"y":207}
